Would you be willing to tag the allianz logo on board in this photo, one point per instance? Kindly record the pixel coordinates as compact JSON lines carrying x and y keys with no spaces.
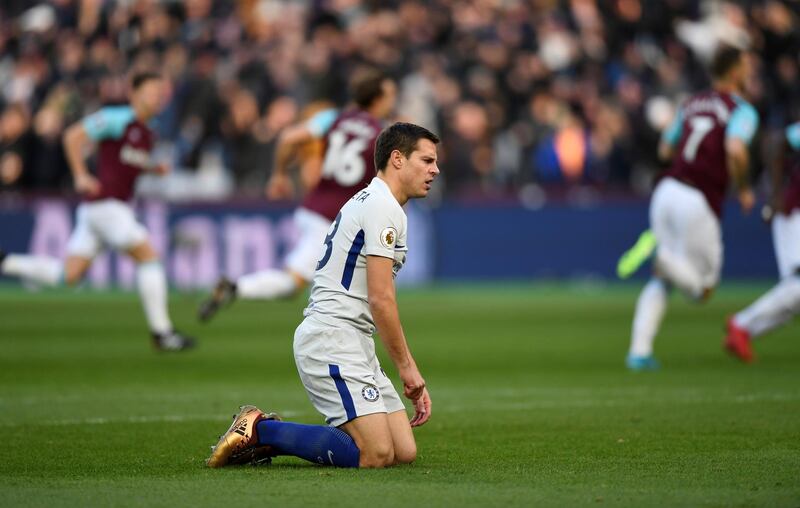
{"x":196,"y":248}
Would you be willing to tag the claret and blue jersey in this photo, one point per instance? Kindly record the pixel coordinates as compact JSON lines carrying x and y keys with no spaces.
{"x":699,"y":131}
{"x":124,"y":150}
{"x":791,"y":200}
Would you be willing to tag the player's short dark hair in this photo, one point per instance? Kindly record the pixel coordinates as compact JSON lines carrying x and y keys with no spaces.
{"x":367,"y":86}
{"x":141,"y":78}
{"x":725,"y":59}
{"x":400,"y":136}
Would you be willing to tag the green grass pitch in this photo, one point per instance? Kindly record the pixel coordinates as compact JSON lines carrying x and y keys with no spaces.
{"x":531,"y":405}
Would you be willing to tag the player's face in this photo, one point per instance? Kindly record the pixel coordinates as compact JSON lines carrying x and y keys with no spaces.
{"x":421,"y":169}
{"x":149,"y":97}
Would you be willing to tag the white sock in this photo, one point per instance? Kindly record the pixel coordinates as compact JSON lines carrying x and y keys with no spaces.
{"x":42,"y":270}
{"x":152,"y":284}
{"x":773,"y":309}
{"x":649,"y":312}
{"x":266,"y":285}
{"x":679,"y":272}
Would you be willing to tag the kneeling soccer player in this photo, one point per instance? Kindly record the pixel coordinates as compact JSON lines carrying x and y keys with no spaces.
{"x":353,"y":294}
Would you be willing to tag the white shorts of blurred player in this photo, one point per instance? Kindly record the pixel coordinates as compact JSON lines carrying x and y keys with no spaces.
{"x":312,"y":229}
{"x":104,"y":223}
{"x":786,"y":238}
{"x":689,"y":238}
{"x":341,"y":373}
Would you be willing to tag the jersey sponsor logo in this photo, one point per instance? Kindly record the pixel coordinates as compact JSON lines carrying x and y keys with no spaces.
{"x":135,"y":157}
{"x":388,"y":237}
{"x":370,"y":393}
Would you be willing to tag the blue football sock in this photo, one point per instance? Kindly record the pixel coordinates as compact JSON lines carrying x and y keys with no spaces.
{"x":315,"y":443}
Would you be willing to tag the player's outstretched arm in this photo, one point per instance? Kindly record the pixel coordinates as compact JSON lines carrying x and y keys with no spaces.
{"x":75,"y":141}
{"x":383,"y":305}
{"x":280,"y":185}
{"x":738,"y":160}
{"x":776,"y":160}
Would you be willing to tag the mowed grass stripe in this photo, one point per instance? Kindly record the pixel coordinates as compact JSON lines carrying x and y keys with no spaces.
{"x":532,"y":405}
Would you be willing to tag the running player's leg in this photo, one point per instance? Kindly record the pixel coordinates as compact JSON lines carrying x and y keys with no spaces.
{"x":652,"y":301}
{"x":75,"y":267}
{"x":82,"y":246}
{"x":650,"y":309}
{"x":779,"y":305}
{"x":151,"y":281}
{"x":274,"y":284}
{"x":301,"y":262}
{"x":115,"y":223}
{"x":692,"y":258}
{"x":43,"y":270}
{"x":270,"y":284}
{"x":703,"y":247}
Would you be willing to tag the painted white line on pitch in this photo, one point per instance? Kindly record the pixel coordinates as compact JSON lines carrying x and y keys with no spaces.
{"x":135,"y":419}
{"x":600,"y":402}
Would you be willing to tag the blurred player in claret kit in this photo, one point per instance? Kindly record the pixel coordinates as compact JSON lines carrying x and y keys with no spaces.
{"x":347,"y":167}
{"x":105,"y":218}
{"x":708,"y":145}
{"x":779,"y":305}
{"x":353,"y":295}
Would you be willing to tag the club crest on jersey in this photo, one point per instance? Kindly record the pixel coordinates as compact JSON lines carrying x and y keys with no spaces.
{"x":370,"y":393}
{"x":388,"y":237}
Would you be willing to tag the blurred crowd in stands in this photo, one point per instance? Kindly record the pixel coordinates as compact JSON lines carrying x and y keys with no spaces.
{"x":526,"y":94}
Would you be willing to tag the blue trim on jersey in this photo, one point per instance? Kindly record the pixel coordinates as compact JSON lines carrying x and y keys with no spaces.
{"x":352,"y":258}
{"x":321,"y":122}
{"x":672,"y":134}
{"x":743,"y":123}
{"x":344,"y":393}
{"x":108,"y":123}
{"x":793,"y":135}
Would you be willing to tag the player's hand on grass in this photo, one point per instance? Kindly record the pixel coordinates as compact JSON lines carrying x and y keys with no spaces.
{"x":279,"y":187}
{"x":87,"y":185}
{"x":747,"y":200}
{"x":422,"y":409}
{"x":413,"y":384}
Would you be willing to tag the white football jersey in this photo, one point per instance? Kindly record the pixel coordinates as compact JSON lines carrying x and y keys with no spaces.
{"x":371,"y":223}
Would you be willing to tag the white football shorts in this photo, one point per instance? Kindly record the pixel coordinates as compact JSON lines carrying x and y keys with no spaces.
{"x":312,"y":228}
{"x":685,"y":226}
{"x":104,"y":223}
{"x":786,"y":238}
{"x":341,"y":373}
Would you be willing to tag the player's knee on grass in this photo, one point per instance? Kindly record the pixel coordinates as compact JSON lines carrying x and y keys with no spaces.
{"x":376,"y":455}
{"x":405,"y":453}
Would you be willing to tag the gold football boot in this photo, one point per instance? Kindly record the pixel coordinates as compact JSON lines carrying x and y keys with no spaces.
{"x":239,"y":444}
